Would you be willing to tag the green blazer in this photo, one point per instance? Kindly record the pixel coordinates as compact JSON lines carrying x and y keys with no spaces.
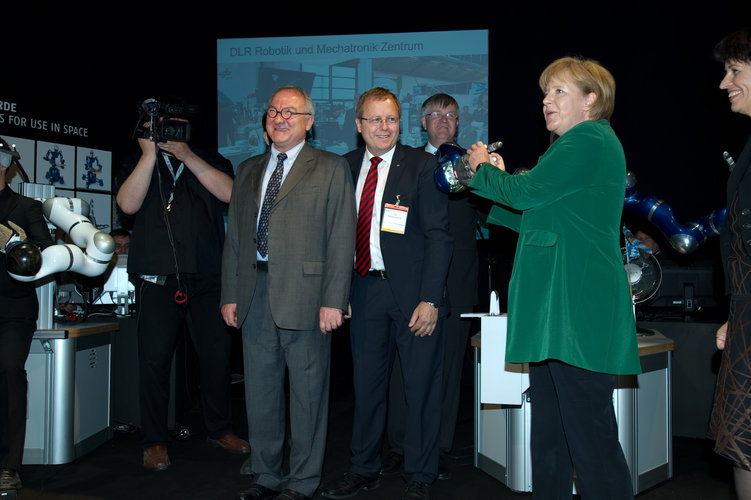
{"x":569,"y":296}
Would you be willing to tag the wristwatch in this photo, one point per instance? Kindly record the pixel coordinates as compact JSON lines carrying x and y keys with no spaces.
{"x":431,"y":304}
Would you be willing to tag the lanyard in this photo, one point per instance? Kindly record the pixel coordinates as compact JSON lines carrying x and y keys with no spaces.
{"x":175,"y":175}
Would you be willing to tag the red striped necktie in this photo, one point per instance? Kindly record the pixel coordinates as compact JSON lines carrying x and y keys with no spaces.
{"x":364,"y":218}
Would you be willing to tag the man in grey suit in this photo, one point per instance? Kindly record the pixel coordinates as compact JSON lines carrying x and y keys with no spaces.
{"x":286,"y":273}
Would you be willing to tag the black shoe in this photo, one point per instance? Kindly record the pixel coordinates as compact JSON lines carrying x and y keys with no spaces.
{"x":350,"y":485}
{"x":257,"y":492}
{"x":9,"y":480}
{"x":444,"y":470}
{"x":392,"y":464}
{"x":291,"y":495}
{"x":416,"y":491}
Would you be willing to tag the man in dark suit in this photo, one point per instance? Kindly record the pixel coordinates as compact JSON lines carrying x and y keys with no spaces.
{"x":286,"y":274}
{"x":398,"y":297}
{"x":19,"y":309}
{"x":440,"y":115}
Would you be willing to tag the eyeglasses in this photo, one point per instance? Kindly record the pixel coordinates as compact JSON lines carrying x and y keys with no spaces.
{"x":376,"y":121}
{"x":286,"y":113}
{"x":437,"y":114}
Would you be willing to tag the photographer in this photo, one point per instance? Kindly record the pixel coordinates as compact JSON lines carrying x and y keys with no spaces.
{"x":178,"y":196}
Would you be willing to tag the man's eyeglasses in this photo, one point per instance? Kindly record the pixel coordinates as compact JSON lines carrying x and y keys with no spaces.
{"x":286,"y":113}
{"x":437,"y":114}
{"x":377,"y":120}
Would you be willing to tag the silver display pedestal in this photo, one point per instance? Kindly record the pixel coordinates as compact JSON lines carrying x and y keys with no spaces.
{"x":69,"y":392}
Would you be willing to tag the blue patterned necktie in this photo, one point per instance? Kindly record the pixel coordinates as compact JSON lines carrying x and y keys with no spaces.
{"x":271,"y":191}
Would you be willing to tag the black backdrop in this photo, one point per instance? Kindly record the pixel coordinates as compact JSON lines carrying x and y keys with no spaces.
{"x":93,"y":66}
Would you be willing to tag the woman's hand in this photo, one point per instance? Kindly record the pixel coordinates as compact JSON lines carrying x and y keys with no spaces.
{"x":721,"y":335}
{"x":478,"y":153}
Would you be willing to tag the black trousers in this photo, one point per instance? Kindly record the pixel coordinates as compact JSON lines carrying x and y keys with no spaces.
{"x":378,"y":330}
{"x":457,"y":337}
{"x":159,"y":322}
{"x":574,"y":428}
{"x":15,"y":342}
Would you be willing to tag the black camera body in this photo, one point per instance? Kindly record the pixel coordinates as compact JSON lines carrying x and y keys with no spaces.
{"x":165,"y":129}
{"x":164,"y":124}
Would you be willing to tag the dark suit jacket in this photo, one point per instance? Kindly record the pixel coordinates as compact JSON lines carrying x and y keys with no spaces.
{"x":417,"y":261}
{"x":19,"y":300}
{"x":311,"y":239}
{"x":739,"y":183}
{"x":464,"y":216}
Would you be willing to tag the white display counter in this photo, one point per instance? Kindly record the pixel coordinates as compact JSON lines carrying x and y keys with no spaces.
{"x":642,"y":405}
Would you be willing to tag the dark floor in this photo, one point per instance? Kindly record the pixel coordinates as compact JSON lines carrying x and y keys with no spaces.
{"x":114,"y":471}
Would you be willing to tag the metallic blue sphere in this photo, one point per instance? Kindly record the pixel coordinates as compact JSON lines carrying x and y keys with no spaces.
{"x":445,"y":175}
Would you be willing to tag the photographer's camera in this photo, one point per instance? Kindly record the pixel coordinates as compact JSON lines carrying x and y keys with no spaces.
{"x":159,"y":121}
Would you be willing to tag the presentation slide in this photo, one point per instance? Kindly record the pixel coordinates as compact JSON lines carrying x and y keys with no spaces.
{"x":335,"y":70}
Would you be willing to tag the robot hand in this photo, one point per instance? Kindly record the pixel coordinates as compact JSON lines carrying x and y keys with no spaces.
{"x":92,"y":261}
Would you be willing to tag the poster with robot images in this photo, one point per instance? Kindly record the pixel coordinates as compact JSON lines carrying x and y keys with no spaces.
{"x":74,"y":171}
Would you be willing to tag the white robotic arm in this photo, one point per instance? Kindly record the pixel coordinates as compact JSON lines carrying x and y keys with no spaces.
{"x":98,"y":246}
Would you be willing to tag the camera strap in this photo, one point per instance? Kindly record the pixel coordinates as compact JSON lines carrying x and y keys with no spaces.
{"x":180,"y":296}
{"x":175,"y":175}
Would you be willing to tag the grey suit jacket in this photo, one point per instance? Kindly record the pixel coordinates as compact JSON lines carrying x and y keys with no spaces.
{"x":311,"y":239}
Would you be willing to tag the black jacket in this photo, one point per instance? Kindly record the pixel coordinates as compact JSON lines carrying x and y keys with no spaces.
{"x":19,"y":300}
{"x":739,"y":184}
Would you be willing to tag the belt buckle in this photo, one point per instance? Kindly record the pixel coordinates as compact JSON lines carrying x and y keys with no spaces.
{"x":379,"y":273}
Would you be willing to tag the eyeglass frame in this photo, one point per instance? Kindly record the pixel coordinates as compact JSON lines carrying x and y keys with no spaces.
{"x":282,"y":112}
{"x":438,"y":114}
{"x":389,"y":120}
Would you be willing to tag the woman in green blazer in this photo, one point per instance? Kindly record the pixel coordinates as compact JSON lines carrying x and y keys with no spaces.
{"x":570,"y":312}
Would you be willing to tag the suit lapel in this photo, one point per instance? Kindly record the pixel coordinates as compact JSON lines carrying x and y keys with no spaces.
{"x":303,"y":163}
{"x":255,"y":178}
{"x":742,"y":167}
{"x":396,"y":171}
{"x":12,"y":202}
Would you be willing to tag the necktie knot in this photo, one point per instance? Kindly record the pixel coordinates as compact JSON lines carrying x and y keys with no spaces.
{"x":375,"y":161}
{"x":280,"y":158}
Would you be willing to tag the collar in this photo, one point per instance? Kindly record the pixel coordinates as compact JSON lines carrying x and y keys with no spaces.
{"x":387,"y":156}
{"x":291,"y":153}
{"x":430,"y":148}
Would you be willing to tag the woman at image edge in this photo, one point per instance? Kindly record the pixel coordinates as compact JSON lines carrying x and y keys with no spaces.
{"x":730,"y":423}
{"x":570,"y":313}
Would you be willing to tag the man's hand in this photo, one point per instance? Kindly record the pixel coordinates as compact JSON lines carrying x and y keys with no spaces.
{"x":330,"y":318}
{"x":178,"y":149}
{"x":229,"y":313}
{"x":423,"y":320}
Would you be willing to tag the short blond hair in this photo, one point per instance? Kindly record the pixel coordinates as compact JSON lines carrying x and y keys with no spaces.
{"x":378,"y":94}
{"x":589,"y":76}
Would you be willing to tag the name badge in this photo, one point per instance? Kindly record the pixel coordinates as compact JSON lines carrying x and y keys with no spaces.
{"x":394,"y":218}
